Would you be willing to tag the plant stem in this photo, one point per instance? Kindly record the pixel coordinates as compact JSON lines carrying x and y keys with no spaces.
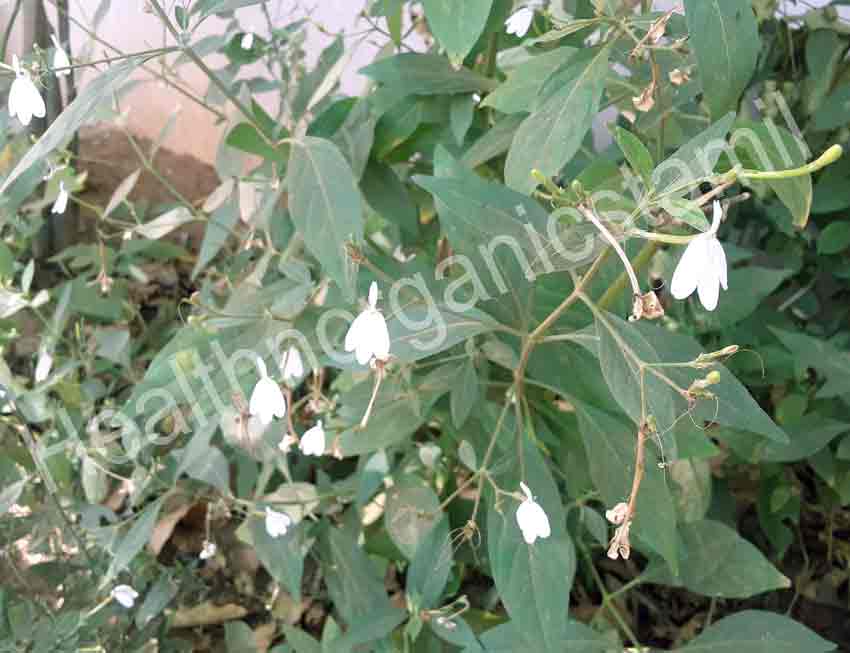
{"x":9,"y":26}
{"x":535,"y":336}
{"x":591,"y":215}
{"x":643,"y":257}
{"x":830,"y":156}
{"x":221,"y":86}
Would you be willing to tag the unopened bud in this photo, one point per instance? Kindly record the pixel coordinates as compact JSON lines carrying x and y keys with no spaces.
{"x":713,"y":377}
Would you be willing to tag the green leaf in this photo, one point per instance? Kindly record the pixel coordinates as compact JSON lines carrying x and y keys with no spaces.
{"x":623,"y":354}
{"x":733,"y":405}
{"x":457,"y":25}
{"x":775,"y":148}
{"x":325,"y":206}
{"x":519,"y":92}
{"x":694,"y":160}
{"x":835,"y":238}
{"x":716,"y":561}
{"x":465,"y":394}
{"x":748,"y":287}
{"x":636,"y":154}
{"x":388,"y":197}
{"x":610,"y":446}
{"x":429,"y":570}
{"x":356,"y":588}
{"x":204,"y":462}
{"x":239,"y":637}
{"x":533,"y":580}
{"x":833,"y":112}
{"x":827,"y":359}
{"x":725,"y":41}
{"x":388,"y":425}
{"x":754,"y":631}
{"x":283,"y":557}
{"x":807,"y":436}
{"x":10,"y":495}
{"x":165,"y":223}
{"x":461,"y":112}
{"x":156,"y":600}
{"x":94,"y":480}
{"x":204,"y":8}
{"x":219,"y":228}
{"x":412,"y":511}
{"x":246,"y":138}
{"x":550,"y":136}
{"x":318,"y":82}
{"x":493,"y":142}
{"x":134,"y":541}
{"x":73,"y":117}
{"x":300,"y":641}
{"x":425,"y":74}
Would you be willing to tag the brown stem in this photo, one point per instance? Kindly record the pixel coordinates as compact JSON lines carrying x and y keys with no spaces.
{"x":535,"y":336}
{"x":640,"y":457}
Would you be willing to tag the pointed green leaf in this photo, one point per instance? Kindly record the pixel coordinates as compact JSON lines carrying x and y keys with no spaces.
{"x":325,"y":206}
{"x":457,"y":25}
{"x":754,"y":631}
{"x":725,"y":40}
{"x":550,"y":136}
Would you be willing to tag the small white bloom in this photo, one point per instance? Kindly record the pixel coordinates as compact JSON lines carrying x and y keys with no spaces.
{"x":313,"y":441}
{"x":61,"y":202}
{"x":267,"y":400}
{"x":618,"y":513}
{"x":368,"y":336}
{"x":531,"y":518}
{"x":519,"y":21}
{"x":277,"y":523}
{"x":476,"y":98}
{"x":430,"y":454}
{"x":125,"y":595}
{"x":702,"y":266}
{"x":247,"y":40}
{"x":44,"y":365}
{"x":60,"y":57}
{"x":208,"y":551}
{"x":286,"y":444}
{"x":293,"y":365}
{"x":24,"y":99}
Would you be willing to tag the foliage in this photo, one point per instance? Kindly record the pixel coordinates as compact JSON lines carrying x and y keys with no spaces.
{"x":521,"y":270}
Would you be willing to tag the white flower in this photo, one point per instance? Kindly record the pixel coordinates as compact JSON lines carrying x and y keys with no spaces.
{"x":286,"y":444}
{"x":125,"y":595}
{"x":430,"y":454}
{"x":208,"y":551}
{"x":247,"y":40}
{"x":44,"y":365}
{"x":313,"y":441}
{"x":60,"y":57}
{"x":293,"y":366}
{"x":368,"y":336}
{"x":531,"y":519}
{"x":24,"y":99}
{"x":702,"y":266}
{"x":519,"y":21}
{"x":267,"y":400}
{"x":61,"y":202}
{"x":618,"y":513}
{"x":277,"y":523}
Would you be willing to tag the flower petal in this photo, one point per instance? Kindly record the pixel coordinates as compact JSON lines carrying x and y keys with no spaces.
{"x":691,"y":266}
{"x":718,"y":258}
{"x":709,"y":290}
{"x":267,"y":401}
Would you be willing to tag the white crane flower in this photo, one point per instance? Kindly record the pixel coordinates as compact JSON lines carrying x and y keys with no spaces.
{"x":313,"y":441}
{"x":125,"y":595}
{"x":61,"y":62}
{"x":208,"y":551}
{"x":368,"y":336}
{"x":702,"y":266}
{"x":247,"y":41}
{"x":277,"y":523}
{"x":519,"y":21}
{"x":267,"y":401}
{"x":293,"y":365}
{"x":61,"y":202}
{"x":44,"y":365}
{"x":531,"y":518}
{"x":24,"y":99}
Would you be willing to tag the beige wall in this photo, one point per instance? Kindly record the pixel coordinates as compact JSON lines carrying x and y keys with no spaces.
{"x":150,"y":105}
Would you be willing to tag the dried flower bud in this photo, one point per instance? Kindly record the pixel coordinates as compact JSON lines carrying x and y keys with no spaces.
{"x":620,"y":545}
{"x":618,"y":513}
{"x":678,"y":76}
